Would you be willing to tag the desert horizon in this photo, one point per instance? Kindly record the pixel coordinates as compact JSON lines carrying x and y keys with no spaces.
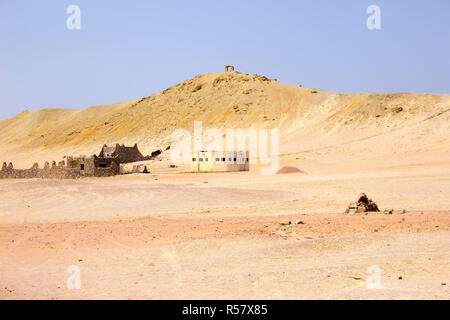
{"x":231,"y":184}
{"x":84,"y":222}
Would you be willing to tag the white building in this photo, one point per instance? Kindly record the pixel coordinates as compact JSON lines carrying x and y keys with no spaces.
{"x":219,"y":161}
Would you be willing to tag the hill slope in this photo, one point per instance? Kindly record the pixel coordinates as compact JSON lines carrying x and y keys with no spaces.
{"x":313,"y":124}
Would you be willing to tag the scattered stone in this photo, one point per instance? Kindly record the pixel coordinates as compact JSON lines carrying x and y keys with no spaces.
{"x":299,"y":222}
{"x":364,"y":204}
{"x":220,"y":220}
{"x":400,"y":278}
{"x":286,"y":223}
{"x":351,"y":208}
{"x":139,"y":169}
{"x":197,"y":88}
{"x":397,"y":109}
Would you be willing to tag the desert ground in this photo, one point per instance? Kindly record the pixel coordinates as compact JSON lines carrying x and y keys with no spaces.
{"x":171,"y":234}
{"x":177,"y":235}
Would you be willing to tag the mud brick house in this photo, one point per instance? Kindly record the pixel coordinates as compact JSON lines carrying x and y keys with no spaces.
{"x":122,"y":154}
{"x":108,"y":161}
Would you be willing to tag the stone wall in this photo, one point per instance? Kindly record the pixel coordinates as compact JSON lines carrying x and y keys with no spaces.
{"x":112,"y":170}
{"x":49,"y":172}
{"x":82,"y":166}
{"x":86,"y":165}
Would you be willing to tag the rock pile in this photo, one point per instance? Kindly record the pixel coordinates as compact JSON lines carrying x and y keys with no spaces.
{"x":364,"y":204}
{"x":139,"y":169}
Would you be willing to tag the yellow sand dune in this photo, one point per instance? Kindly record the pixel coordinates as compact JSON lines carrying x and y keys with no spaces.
{"x":313,"y":124}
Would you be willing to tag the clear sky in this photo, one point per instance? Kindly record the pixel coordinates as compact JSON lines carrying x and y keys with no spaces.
{"x":130,"y":49}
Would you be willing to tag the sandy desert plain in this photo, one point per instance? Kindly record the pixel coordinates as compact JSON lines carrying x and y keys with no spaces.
{"x":172,"y":234}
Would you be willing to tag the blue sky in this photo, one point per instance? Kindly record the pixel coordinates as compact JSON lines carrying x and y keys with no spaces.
{"x":131,"y":49}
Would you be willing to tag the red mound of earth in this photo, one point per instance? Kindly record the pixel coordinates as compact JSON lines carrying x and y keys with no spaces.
{"x":288,"y":169}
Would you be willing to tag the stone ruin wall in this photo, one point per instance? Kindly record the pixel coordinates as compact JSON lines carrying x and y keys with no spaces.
{"x":53,"y":171}
{"x":107,"y":172}
{"x":132,"y":154}
{"x":139,"y":168}
{"x":59,"y":171}
{"x":72,"y":167}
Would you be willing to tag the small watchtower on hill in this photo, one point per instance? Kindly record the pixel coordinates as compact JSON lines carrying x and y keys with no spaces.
{"x":229,"y":68}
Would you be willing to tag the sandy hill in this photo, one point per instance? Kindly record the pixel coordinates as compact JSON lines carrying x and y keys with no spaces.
{"x":313,"y":124}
